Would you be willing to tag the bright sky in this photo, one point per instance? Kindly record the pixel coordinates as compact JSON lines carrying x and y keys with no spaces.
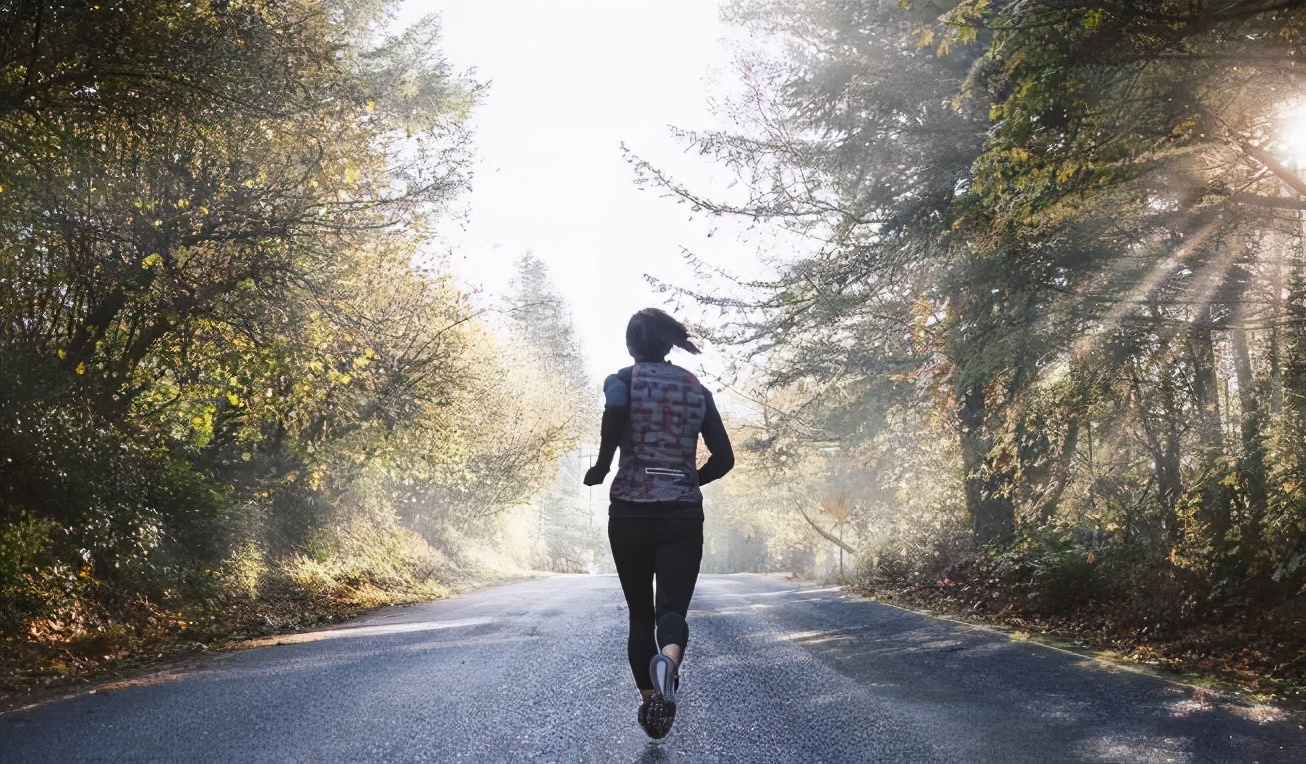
{"x":570,"y":81}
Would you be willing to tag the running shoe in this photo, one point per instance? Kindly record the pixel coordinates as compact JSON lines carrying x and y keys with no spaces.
{"x":643,"y":716}
{"x":662,"y":706}
{"x":657,"y":717}
{"x":666,"y":678}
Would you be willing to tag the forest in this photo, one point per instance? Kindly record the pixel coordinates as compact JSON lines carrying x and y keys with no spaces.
{"x":1032,"y":348}
{"x":239,"y":392}
{"x":1039,"y":354}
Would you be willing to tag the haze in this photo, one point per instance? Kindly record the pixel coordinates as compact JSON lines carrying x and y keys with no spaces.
{"x":570,"y":82}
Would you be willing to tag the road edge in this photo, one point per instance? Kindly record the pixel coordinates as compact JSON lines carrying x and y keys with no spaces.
{"x":171,"y":664}
{"x":1223,"y":690}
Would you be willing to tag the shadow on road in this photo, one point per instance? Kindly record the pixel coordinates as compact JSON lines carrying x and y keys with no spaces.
{"x":653,"y":753}
{"x":775,"y":672}
{"x":1018,"y":695}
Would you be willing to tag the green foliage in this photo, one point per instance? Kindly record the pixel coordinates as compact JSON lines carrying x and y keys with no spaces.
{"x":541,"y":320}
{"x":226,"y":376}
{"x":24,"y":556}
{"x":127,"y":510}
{"x":1048,"y":284}
{"x":1053,"y":573}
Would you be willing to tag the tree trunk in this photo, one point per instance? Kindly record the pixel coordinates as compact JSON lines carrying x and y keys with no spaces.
{"x":1205,"y":388}
{"x":1163,"y":441}
{"x":1060,"y":475}
{"x":1216,"y":509}
{"x":1294,"y":365}
{"x":1251,"y":457}
{"x":828,"y":536}
{"x":1276,"y":315}
{"x":992,"y":513}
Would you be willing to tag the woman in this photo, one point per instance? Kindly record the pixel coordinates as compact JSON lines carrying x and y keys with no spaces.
{"x":655,"y":412}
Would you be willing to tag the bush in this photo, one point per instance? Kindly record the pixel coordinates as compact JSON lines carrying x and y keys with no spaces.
{"x":81,"y":501}
{"x":912,"y":553}
{"x":1051,"y":573}
{"x":25,"y":590}
{"x":360,"y":562}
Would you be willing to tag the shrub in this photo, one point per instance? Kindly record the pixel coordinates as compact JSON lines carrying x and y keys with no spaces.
{"x":26,"y":591}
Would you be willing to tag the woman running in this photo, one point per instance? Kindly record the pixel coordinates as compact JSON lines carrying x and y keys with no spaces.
{"x":655,"y":412}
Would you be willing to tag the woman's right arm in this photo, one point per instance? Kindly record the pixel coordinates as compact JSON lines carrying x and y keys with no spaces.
{"x":616,"y":410}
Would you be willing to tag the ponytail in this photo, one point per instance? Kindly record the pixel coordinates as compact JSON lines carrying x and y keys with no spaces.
{"x":652,"y":333}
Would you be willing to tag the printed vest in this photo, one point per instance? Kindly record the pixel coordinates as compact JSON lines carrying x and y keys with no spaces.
{"x":658,"y":461}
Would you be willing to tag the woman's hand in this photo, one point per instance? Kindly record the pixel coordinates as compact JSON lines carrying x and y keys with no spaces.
{"x":595,"y":475}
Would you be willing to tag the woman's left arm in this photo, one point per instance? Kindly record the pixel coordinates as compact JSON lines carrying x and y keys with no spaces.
{"x":722,"y":458}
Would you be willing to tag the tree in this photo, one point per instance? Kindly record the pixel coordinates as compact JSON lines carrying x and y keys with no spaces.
{"x":853,"y":138}
{"x":1149,"y":130}
{"x":1069,"y":228}
{"x":212,"y":331}
{"x":542,"y":332}
{"x":540,"y":318}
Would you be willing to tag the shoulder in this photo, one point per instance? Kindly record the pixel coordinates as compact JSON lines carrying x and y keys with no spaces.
{"x":616,"y":388}
{"x":691,"y":379}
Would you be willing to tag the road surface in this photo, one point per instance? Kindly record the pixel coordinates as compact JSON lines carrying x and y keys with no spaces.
{"x":536,"y":672}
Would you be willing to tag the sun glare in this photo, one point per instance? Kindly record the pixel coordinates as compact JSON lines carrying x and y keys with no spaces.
{"x":1292,"y":135}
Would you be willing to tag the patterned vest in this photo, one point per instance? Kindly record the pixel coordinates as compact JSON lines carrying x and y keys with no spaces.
{"x":658,"y":462}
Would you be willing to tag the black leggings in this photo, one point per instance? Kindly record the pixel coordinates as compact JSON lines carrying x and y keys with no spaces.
{"x":668,"y":546}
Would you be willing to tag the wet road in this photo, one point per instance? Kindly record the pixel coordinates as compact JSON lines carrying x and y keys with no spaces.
{"x":536,"y":671}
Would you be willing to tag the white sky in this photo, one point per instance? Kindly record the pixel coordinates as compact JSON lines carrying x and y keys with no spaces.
{"x":570,"y":81}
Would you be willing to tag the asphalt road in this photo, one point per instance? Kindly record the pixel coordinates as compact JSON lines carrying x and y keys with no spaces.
{"x":536,"y":671}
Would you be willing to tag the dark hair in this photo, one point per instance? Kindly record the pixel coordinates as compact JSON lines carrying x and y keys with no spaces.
{"x":652,"y":333}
